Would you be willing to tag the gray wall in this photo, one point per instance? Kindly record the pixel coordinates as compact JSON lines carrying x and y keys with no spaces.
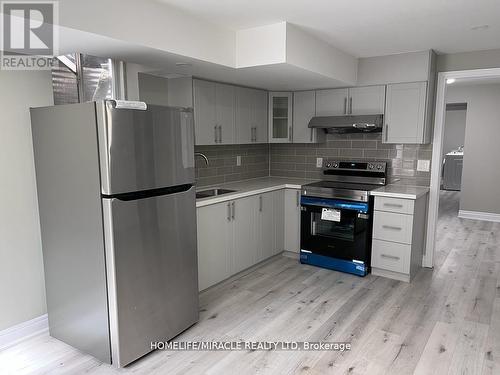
{"x":299,"y":160}
{"x":469,"y":60}
{"x":222,"y":167}
{"x":22,"y":289}
{"x":481,"y":174}
{"x":454,"y":130}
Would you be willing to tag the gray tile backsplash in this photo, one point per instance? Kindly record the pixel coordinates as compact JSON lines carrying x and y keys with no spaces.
{"x":299,"y":160}
{"x":222,"y":163}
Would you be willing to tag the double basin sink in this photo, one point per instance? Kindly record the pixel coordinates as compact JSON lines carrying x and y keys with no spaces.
{"x":212,"y":193}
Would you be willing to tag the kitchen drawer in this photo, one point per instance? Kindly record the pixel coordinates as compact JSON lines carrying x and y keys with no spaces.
{"x":402,"y":206}
{"x":391,"y":256}
{"x":394,"y":227}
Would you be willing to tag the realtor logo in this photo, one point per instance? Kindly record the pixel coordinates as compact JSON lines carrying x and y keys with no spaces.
{"x":29,"y":38}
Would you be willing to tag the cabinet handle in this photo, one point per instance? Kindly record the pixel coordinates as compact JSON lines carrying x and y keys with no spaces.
{"x":390,"y":256}
{"x":345,"y":106}
{"x":386,"y":132}
{"x":290,"y":133}
{"x":350,"y":105}
{"x":233,"y":214}
{"x":391,"y":227}
{"x":260,"y":203}
{"x":215,"y":134}
{"x":229,"y":212}
{"x":393,"y":205}
{"x":311,"y":135}
{"x":298,"y":198}
{"x":220,"y":133}
{"x":255,"y":134}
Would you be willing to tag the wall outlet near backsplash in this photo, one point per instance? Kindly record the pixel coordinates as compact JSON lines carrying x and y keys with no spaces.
{"x":238,"y":160}
{"x":423,"y":165}
{"x":319,"y":162}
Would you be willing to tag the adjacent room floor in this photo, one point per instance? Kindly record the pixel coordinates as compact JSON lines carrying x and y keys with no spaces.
{"x":446,"y":321}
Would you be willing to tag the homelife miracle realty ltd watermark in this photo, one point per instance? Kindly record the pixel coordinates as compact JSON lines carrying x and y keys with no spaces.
{"x":29,"y":34}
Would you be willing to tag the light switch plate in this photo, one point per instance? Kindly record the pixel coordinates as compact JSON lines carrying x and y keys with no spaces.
{"x":319,"y":162}
{"x":238,"y":160}
{"x":423,"y":165}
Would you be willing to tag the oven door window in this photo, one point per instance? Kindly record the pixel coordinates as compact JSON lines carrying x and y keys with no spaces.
{"x":344,"y":229}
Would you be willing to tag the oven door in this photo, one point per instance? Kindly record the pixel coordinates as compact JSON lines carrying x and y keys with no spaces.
{"x":336,"y":228}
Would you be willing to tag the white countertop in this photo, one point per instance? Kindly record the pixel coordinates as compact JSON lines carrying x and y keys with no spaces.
{"x":400,"y":191}
{"x":250,"y":187}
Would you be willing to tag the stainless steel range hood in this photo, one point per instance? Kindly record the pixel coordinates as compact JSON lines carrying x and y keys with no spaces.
{"x":348,"y":124}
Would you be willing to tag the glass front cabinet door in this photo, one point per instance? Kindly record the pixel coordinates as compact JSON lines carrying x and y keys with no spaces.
{"x":280,"y":117}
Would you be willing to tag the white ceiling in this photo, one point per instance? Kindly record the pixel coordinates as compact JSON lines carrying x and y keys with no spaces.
{"x":366,"y":27}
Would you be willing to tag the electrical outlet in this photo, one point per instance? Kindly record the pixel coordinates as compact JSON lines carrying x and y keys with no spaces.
{"x":238,"y":160}
{"x":423,"y":165}
{"x":319,"y":162}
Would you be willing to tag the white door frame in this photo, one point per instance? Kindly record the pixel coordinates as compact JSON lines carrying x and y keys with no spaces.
{"x":437,"y":148}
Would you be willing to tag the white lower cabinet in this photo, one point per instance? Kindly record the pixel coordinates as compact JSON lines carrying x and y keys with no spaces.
{"x":235,"y":235}
{"x":398,"y":237}
{"x":215,"y":240}
{"x":292,"y":220}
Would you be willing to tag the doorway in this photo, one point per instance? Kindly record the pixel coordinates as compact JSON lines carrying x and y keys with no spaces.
{"x":472,"y":195}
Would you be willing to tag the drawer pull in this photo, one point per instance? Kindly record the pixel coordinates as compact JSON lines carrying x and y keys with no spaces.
{"x":390,"y":256}
{"x":393,"y":205}
{"x":391,"y":227}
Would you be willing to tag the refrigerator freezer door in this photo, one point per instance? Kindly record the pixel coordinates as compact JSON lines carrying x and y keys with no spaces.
{"x":144,"y":149}
{"x":152,"y":271}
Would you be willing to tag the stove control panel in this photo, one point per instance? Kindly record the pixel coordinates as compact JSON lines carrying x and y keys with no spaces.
{"x":375,"y":166}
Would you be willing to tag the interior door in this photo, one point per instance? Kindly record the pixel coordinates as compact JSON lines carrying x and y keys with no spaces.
{"x":145,"y":149}
{"x":152,"y":270}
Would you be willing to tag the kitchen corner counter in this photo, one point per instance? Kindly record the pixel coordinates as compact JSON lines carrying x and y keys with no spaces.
{"x":247,"y":188}
{"x":400,"y":191}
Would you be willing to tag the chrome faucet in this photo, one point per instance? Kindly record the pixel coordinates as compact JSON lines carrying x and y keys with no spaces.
{"x":202,"y":156}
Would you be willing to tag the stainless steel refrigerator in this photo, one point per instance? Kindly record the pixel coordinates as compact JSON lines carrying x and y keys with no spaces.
{"x":118,"y":223}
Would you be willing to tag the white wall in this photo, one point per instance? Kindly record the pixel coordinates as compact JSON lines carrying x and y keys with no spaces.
{"x":454,"y":130}
{"x":481,"y":174}
{"x":22,"y":289}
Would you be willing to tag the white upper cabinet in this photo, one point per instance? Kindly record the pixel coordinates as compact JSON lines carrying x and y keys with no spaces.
{"x":259,"y":116}
{"x":227,"y":114}
{"x":206,"y":129}
{"x":251,"y":115}
{"x":304,"y":108}
{"x":367,"y":100}
{"x":224,"y":113}
{"x":405,"y":113}
{"x":244,"y":132}
{"x":280,"y":117}
{"x":331,"y":102}
{"x":352,"y":101}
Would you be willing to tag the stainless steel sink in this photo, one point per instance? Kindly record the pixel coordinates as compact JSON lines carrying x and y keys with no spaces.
{"x":212,"y":193}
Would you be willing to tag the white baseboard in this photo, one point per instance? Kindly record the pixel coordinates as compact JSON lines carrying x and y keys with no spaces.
{"x":23,"y":331}
{"x":477,"y":215}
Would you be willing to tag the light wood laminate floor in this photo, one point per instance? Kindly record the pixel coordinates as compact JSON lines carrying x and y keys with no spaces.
{"x":447,"y":321}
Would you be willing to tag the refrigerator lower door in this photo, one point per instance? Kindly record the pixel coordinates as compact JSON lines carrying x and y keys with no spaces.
{"x":144,"y":149}
{"x":152,"y":271}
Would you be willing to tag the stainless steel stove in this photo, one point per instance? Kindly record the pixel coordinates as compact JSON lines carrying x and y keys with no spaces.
{"x":336,"y":216}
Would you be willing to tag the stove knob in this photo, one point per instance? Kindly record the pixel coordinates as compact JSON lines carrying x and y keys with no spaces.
{"x":328,"y":165}
{"x":335,"y":165}
{"x":379,"y":166}
{"x":370,"y":166}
